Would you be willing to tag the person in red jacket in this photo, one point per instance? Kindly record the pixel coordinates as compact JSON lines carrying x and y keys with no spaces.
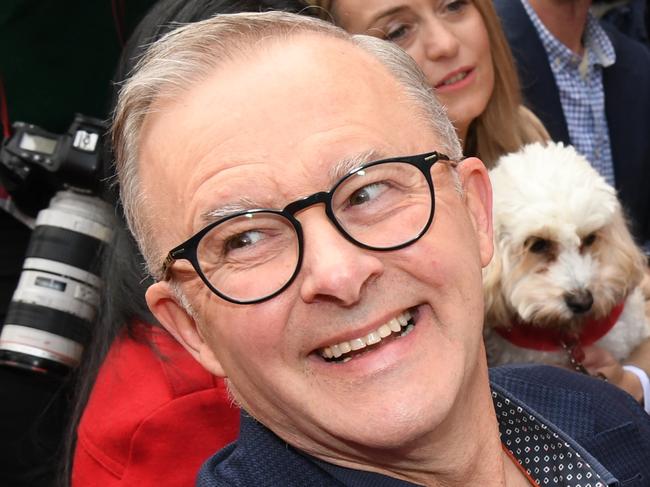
{"x":150,"y":401}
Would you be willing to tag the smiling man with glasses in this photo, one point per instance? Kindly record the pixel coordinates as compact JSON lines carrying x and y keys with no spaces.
{"x":326,"y":252}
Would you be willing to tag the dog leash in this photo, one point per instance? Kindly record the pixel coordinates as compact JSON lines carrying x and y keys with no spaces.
{"x":576,"y":357}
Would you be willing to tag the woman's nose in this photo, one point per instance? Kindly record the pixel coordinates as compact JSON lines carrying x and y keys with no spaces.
{"x":439,"y":39}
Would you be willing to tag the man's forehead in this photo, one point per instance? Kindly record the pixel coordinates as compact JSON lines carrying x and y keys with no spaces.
{"x":302,"y":67}
{"x":300,"y":71}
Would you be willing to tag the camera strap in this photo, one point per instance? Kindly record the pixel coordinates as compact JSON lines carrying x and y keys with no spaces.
{"x":7,"y":204}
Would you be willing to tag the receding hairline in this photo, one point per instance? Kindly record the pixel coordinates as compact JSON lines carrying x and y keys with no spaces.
{"x":240,"y":56}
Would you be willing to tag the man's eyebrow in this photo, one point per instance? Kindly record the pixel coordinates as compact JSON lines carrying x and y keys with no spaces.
{"x":336,"y":172}
{"x":344,"y":166}
{"x":239,"y":206}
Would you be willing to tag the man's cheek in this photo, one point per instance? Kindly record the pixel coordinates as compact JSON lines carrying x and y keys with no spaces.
{"x":425,"y":263}
{"x":254,"y":330}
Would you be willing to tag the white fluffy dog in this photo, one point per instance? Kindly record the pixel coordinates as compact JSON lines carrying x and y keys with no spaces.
{"x":566,"y":271}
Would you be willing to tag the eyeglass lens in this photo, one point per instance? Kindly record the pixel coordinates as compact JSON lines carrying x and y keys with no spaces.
{"x":254,"y":255}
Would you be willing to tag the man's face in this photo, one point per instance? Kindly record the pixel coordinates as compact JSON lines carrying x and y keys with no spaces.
{"x":268,"y":131}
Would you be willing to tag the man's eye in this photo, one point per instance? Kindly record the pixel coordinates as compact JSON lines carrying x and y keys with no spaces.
{"x":366,"y":194}
{"x":241,"y":240}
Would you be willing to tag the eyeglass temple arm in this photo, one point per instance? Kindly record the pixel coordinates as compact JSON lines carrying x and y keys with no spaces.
{"x":166,"y":266}
{"x":444,"y":158}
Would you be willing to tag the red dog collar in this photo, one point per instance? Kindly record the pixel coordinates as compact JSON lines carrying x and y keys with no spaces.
{"x":548,"y":340}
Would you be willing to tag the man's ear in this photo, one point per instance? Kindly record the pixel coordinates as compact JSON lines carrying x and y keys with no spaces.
{"x":478,"y":197}
{"x":164,"y":304}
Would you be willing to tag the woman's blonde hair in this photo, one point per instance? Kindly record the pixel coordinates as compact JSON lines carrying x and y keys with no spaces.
{"x":505,"y":125}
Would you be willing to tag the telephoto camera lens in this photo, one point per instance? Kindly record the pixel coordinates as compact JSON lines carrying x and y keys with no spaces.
{"x":55,"y":304}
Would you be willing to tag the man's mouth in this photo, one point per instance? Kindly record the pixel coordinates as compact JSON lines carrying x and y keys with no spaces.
{"x":397,"y":327}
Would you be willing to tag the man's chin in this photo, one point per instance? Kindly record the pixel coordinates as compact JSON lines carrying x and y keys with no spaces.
{"x":389,"y":423}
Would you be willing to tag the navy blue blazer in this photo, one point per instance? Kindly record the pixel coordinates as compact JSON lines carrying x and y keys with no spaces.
{"x":602,"y":422}
{"x":627,"y":105}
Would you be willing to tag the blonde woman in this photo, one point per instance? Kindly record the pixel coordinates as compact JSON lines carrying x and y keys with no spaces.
{"x":460,"y":47}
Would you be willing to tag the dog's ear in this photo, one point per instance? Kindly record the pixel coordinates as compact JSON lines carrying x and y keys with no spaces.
{"x":620,"y":248}
{"x":496,"y":311}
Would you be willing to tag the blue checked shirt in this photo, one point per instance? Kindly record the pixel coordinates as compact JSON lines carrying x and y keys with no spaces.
{"x":580,"y":84}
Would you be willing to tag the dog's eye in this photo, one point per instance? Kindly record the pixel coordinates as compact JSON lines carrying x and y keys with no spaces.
{"x":540,"y":246}
{"x":589,"y":240}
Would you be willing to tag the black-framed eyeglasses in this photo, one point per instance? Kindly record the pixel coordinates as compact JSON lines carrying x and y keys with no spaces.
{"x":252,"y":256}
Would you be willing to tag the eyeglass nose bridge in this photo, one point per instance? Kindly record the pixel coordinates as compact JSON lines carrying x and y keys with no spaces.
{"x":304,"y":203}
{"x":324,"y":197}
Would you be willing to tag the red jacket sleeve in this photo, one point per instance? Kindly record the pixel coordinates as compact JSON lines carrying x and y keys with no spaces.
{"x":153,"y":417}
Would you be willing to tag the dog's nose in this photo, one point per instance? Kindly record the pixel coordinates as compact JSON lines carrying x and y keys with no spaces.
{"x":579,"y":301}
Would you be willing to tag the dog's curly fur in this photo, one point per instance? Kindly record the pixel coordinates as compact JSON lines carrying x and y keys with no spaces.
{"x":560,"y":239}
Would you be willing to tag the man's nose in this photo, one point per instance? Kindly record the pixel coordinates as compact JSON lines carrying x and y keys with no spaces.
{"x":439,"y":41}
{"x":333,"y":268}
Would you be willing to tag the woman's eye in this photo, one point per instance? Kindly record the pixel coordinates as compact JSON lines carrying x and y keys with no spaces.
{"x":456,"y":6}
{"x":396,"y":33}
{"x":241,"y":240}
{"x":366,"y":194}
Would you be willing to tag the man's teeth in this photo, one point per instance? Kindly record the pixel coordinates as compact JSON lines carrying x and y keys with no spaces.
{"x":401,"y":324}
{"x":455,"y":79}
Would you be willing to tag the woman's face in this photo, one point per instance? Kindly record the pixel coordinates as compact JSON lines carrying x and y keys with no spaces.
{"x":447,"y":38}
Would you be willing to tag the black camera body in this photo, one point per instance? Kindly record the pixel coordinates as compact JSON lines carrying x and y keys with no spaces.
{"x":54,"y":306}
{"x":35,"y":163}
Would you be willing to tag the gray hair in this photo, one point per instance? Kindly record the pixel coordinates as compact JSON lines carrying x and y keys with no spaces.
{"x":191,"y":53}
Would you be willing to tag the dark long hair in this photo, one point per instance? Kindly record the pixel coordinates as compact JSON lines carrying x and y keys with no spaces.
{"x":123,"y":305}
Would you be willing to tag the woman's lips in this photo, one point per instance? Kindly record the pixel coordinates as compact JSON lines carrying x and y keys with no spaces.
{"x":456,"y":80}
